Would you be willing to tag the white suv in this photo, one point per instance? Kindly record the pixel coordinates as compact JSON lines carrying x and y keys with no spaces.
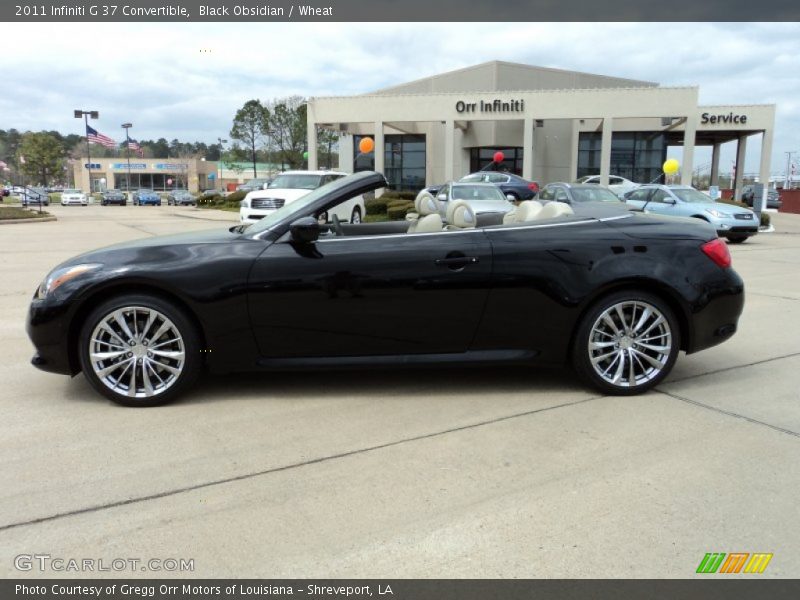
{"x":292,"y":185}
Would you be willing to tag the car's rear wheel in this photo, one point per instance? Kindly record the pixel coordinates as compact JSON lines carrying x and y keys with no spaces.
{"x":355,"y":218}
{"x":626,"y":343}
{"x":139,"y":350}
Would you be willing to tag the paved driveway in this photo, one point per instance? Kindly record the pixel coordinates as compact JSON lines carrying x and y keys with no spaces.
{"x":451,"y":473}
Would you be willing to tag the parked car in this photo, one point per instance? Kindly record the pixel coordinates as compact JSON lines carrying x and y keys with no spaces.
{"x":17,"y":190}
{"x":618,"y":185}
{"x":509,"y":184}
{"x":144,"y":196}
{"x":4,"y":192}
{"x":114,"y":197}
{"x":69,"y":197}
{"x":485,"y":199}
{"x":35,"y":196}
{"x":290,"y":186}
{"x":211,"y":193}
{"x":260,"y":183}
{"x":773,"y":197}
{"x":732,"y":222}
{"x":578,"y":192}
{"x":181,"y":197}
{"x":289,"y":292}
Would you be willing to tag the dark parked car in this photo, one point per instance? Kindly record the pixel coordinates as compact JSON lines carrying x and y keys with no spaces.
{"x":35,"y":196}
{"x":181,"y":197}
{"x":211,"y":193}
{"x":572,"y":193}
{"x":145,"y":196}
{"x":616,"y":294}
{"x":114,"y":197}
{"x":261,"y":183}
{"x":513,"y":186}
{"x":773,"y":197}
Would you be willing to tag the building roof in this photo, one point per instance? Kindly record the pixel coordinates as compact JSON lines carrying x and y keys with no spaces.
{"x":502,"y":76}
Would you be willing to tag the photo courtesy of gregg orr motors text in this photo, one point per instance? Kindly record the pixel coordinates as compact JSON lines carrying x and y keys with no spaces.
{"x":46,"y":563}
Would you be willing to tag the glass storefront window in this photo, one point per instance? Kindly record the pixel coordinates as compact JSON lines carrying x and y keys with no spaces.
{"x":403,"y":159}
{"x":635,"y":155}
{"x":482,"y":157}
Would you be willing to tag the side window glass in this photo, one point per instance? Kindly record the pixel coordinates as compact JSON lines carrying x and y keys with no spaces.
{"x":546,"y":194}
{"x":561,"y":195}
{"x":497,"y":178}
{"x":659,"y":196}
{"x":640,"y":195}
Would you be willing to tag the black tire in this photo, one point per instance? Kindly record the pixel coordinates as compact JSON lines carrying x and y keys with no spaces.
{"x":737,"y":239}
{"x":355,"y":217}
{"x":189,"y":345}
{"x":628,"y":349}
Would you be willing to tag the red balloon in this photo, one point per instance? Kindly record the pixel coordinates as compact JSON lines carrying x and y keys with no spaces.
{"x":498,"y":157}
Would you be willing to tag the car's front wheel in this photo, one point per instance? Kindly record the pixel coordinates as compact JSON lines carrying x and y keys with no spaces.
{"x":626,"y":343}
{"x":139,"y":350}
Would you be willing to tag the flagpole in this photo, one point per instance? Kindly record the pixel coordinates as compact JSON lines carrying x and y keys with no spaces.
{"x":86,"y":114}
{"x":127,"y":126}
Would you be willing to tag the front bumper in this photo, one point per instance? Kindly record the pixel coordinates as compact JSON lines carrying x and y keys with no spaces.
{"x":731,"y":225}
{"x":47,"y":328}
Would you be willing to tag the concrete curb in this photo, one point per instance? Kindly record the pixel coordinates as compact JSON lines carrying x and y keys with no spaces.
{"x":28,"y":220}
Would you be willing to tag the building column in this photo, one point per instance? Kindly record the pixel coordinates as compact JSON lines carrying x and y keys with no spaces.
{"x":715,"y":164}
{"x":312,"y":144}
{"x":379,"y":154}
{"x":346,"y":156}
{"x":449,"y":149}
{"x":689,"y":134}
{"x":573,"y":151}
{"x":605,"y":150}
{"x":527,"y":148}
{"x":741,"y":152}
{"x":766,"y":158}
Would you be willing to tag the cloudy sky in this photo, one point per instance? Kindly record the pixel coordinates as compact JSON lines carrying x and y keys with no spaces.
{"x":157,"y":77}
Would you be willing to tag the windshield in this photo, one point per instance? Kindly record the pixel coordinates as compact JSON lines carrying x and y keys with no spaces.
{"x":477,"y":192}
{"x":691,"y":195}
{"x":588,"y":179}
{"x":72,"y":191}
{"x":473,"y":178}
{"x":593,"y":194}
{"x":299,"y":207}
{"x":145,"y":191}
{"x":296,"y":182}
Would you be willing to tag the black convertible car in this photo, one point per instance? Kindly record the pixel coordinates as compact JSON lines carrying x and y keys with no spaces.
{"x":616,"y":294}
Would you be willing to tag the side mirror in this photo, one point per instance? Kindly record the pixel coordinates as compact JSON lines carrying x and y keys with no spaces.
{"x":305,"y":230}
{"x":442,"y":197}
{"x":510,"y":197}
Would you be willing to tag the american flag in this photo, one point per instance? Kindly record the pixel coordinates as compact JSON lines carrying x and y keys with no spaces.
{"x":95,"y":137}
{"x":134,"y":145}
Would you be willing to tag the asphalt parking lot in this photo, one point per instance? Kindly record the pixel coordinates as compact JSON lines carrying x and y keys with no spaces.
{"x":452,"y":473}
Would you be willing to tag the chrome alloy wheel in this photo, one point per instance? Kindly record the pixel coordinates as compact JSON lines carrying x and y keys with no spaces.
{"x":630,"y":343}
{"x":137,"y":352}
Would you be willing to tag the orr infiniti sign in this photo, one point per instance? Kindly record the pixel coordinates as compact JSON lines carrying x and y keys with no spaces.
{"x":493,"y":106}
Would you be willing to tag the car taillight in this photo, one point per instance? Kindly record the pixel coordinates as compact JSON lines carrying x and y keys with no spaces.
{"x":534,"y":187}
{"x":717,"y":250}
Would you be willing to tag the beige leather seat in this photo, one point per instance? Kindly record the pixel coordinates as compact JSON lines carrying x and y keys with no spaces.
{"x":551,"y":210}
{"x":460,"y":215}
{"x":428,"y":224}
{"x":526,"y":211}
{"x":427,"y":206}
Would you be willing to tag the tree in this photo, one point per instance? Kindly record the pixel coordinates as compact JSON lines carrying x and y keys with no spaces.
{"x":250,"y":125}
{"x":288,"y":129}
{"x":44,"y":156}
{"x":327,"y":141}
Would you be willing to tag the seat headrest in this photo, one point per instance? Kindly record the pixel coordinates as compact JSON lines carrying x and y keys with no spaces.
{"x":461,"y":214}
{"x":552,"y":210}
{"x":426,"y":204}
{"x":527,"y":211}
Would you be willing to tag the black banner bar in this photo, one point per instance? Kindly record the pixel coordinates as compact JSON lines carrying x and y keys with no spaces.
{"x":714,"y":588}
{"x":396,"y":11}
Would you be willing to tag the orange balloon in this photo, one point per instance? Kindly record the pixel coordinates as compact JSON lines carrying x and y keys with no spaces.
{"x":366,"y":145}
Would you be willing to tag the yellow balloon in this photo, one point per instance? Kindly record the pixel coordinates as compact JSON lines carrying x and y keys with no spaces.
{"x":670,"y":166}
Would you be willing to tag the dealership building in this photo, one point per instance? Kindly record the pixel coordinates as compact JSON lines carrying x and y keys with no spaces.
{"x":550,"y":125}
{"x":158,"y":174}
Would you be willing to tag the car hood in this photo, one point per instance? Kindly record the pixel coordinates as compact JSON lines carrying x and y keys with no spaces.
{"x":489,"y":206}
{"x":722,"y":207}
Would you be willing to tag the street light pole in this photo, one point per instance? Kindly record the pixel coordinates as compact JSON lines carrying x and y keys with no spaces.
{"x":86,"y":114}
{"x":787,"y":180}
{"x":127,"y":126}
{"x":221,"y":143}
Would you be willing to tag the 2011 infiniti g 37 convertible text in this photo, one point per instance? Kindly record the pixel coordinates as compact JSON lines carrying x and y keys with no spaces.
{"x":616,"y":294}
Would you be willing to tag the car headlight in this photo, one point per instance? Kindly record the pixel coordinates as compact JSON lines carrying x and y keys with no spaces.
{"x":244,"y":204}
{"x":60,"y":276}
{"x":717,"y":213}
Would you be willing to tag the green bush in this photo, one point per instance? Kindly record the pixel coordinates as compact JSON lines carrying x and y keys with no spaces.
{"x":392,"y":194}
{"x":765,"y":219}
{"x":232,"y":198}
{"x":55,"y":197}
{"x":398,"y":212}
{"x":376,"y":206}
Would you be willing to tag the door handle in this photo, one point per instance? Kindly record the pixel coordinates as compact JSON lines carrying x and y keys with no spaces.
{"x":456,"y":262}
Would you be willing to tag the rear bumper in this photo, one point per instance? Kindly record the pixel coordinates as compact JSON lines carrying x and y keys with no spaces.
{"x":714,"y":316}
